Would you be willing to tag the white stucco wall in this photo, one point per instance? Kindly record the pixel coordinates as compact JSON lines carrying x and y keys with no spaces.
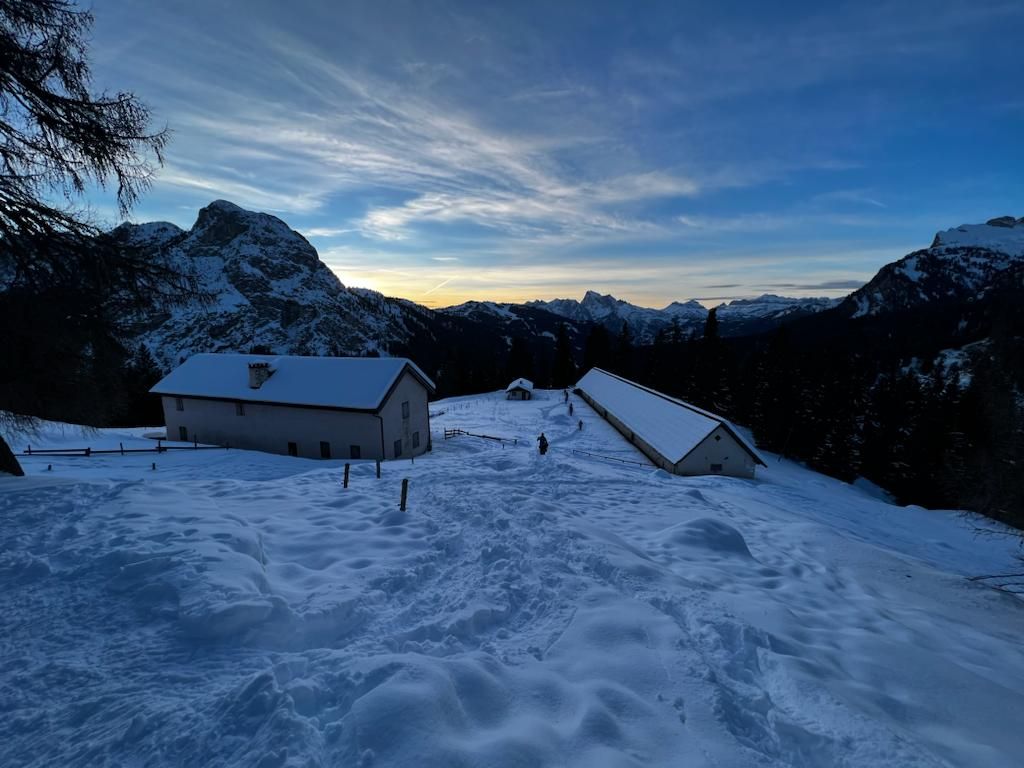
{"x":724,"y":450}
{"x":271,"y":427}
{"x":396,"y":428}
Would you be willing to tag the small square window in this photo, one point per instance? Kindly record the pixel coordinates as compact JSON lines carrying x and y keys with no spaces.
{"x":183,"y":434}
{"x":355,"y":452}
{"x":325,"y":449}
{"x":240,"y":409}
{"x":398,"y":448}
{"x":179,"y":404}
{"x":405,"y":410}
{"x":293,"y":449}
{"x":717,"y":438}
{"x":716,"y":468}
{"x":415,"y":439}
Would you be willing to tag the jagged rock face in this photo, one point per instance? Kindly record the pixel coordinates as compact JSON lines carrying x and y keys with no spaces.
{"x":265,"y":286}
{"x":736,"y":318}
{"x":962,"y":263}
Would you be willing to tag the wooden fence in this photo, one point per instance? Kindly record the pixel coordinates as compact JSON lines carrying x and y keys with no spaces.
{"x":451,"y":433}
{"x":615,"y":458}
{"x":159,"y":448}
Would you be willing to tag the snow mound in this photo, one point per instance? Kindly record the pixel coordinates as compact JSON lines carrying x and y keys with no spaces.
{"x":710,"y":535}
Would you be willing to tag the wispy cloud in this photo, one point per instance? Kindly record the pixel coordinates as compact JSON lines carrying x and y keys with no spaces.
{"x":482,"y":150}
{"x":326,"y":231}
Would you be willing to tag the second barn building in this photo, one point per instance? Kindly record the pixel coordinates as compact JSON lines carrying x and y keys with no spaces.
{"x":676,"y":436}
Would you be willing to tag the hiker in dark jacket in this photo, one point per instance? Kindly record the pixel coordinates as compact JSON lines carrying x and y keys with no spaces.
{"x":581,"y":425}
{"x":542,"y":444}
{"x":570,"y":409}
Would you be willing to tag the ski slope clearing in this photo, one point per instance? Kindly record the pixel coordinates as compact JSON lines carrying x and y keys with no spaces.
{"x":241,"y":609}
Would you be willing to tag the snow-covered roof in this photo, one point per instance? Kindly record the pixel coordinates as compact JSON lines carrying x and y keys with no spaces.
{"x":356,"y":383}
{"x":670,"y":426}
{"x":520,"y":384}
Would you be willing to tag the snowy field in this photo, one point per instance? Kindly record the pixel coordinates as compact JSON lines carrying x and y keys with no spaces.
{"x":234,"y":608}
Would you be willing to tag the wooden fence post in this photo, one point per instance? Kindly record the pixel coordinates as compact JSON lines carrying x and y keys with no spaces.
{"x":378,"y":469}
{"x":346,"y":475}
{"x":154,"y":465}
{"x":405,"y":493}
{"x":121,"y":445}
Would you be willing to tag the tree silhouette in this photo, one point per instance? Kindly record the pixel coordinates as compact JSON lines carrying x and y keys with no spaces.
{"x":564,"y":367}
{"x":58,"y":138}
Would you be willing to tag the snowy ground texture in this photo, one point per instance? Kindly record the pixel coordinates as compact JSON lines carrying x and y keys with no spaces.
{"x":233,"y":608}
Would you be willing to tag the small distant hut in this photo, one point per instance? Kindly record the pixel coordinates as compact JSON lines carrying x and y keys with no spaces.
{"x":520,"y":389}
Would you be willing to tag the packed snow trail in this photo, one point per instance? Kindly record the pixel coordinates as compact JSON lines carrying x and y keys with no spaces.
{"x":235,"y":608}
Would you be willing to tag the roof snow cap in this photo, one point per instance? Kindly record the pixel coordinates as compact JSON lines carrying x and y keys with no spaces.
{"x":350,"y":383}
{"x":520,"y":384}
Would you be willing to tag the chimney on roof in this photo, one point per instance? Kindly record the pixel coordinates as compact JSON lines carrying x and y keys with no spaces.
{"x":259,"y":372}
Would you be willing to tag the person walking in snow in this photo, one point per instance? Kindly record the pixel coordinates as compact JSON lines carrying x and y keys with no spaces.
{"x":581,"y":425}
{"x":566,"y":393}
{"x":570,"y":409}
{"x":542,"y":444}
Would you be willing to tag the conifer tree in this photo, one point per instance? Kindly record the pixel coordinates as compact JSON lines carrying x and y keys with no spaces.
{"x":58,"y":137}
{"x":624,"y":353}
{"x":564,"y":367}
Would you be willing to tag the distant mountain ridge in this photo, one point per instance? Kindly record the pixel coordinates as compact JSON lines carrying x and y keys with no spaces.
{"x":266,"y":288}
{"x":738,"y":317}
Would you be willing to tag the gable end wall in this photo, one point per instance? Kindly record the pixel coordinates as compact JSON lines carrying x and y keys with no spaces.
{"x":734,"y":458}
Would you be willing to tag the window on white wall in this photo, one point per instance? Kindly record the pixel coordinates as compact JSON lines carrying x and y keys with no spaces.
{"x":179,"y":404}
{"x":240,"y":409}
{"x":398,"y":448}
{"x":405,"y":410}
{"x":415,"y":439}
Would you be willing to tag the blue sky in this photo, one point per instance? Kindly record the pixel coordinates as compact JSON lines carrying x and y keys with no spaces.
{"x":658,"y":151}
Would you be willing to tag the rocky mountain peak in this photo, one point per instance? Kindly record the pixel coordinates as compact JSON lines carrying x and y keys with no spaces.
{"x":153,"y":234}
{"x":1003,"y":234}
{"x":1005,"y":221}
{"x":962,"y":263}
{"x":235,"y":234}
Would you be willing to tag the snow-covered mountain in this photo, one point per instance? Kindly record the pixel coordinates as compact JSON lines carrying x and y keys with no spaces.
{"x":771,"y":307}
{"x":264,"y":286}
{"x":736,"y":318}
{"x":606,"y":310}
{"x":961,"y":263}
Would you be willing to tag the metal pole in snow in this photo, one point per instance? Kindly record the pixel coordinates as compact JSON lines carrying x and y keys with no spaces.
{"x":346,"y":475}
{"x":378,"y":469}
{"x":405,"y":493}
